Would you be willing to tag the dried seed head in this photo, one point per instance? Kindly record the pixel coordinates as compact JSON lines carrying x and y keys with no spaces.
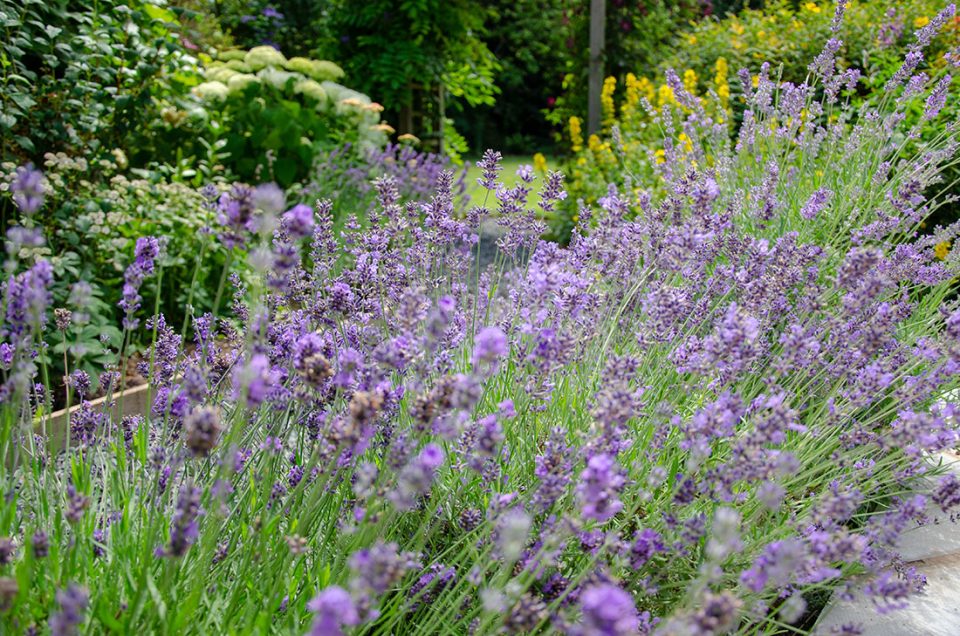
{"x":364,"y":406}
{"x":203,"y":430}
{"x":8,"y":592}
{"x":62,"y":317}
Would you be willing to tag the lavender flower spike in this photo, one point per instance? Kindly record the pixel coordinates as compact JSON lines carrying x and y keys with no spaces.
{"x":73,"y":601}
{"x":490,"y":345}
{"x":183,"y":529}
{"x":332,"y":608}
{"x":608,"y":611}
{"x":27,"y":189}
{"x":145,"y":254}
{"x":490,"y":166}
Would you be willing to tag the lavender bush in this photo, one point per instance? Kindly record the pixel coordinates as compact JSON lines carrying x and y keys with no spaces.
{"x":698,"y":421}
{"x":347,"y":177}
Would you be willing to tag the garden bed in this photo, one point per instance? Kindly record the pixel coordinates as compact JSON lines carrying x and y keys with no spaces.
{"x":374,"y":408}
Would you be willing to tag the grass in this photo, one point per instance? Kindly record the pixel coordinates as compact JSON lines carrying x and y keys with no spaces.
{"x":508,"y":176}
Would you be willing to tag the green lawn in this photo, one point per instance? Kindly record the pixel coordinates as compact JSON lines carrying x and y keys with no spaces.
{"x":475,"y":193}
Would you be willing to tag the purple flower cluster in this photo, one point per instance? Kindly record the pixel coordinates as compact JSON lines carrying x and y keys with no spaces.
{"x":333,"y":609}
{"x":416,"y":175}
{"x":27,"y":188}
{"x":145,"y":254}
{"x":73,"y":602}
{"x":679,"y":423}
{"x":184,"y":529}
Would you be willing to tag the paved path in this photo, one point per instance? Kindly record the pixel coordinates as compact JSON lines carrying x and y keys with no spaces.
{"x":934,"y":549}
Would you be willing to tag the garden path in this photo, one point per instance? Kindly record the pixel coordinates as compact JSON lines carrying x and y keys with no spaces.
{"x":934,"y":550}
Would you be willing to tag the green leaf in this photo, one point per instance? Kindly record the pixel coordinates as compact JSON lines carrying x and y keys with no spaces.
{"x":26,"y":143}
{"x":159,"y":13}
{"x":23,"y":100}
{"x":157,"y":598}
{"x":105,"y":615}
{"x":285,"y":169}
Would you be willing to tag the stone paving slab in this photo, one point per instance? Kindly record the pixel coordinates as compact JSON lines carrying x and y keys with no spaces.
{"x":934,"y":549}
{"x":935,"y":612}
{"x":939,"y":536}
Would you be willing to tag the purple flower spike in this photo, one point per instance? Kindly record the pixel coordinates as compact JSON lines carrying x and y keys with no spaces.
{"x":608,"y":611}
{"x":416,"y":478}
{"x":600,"y":483}
{"x":332,"y":608}
{"x":73,"y":601}
{"x":490,"y":345}
{"x":27,"y":189}
{"x":254,"y":380}
{"x":490,"y":167}
{"x":525,"y":173}
{"x":28,"y":296}
{"x":183,"y":530}
{"x":298,"y":221}
{"x":145,"y":254}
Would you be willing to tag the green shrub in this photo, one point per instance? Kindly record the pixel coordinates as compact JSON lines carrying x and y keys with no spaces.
{"x":83,"y":81}
{"x":93,"y":214}
{"x":875,"y":38}
{"x":266,"y":117}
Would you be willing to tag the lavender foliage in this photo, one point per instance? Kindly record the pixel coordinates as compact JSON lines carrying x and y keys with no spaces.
{"x":710,"y":403}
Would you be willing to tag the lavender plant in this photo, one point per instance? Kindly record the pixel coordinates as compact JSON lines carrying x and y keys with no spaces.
{"x":700,"y":420}
{"x":349,"y":177}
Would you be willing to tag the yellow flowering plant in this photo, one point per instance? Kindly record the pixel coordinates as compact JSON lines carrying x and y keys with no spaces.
{"x":635,"y":121}
{"x":875,"y":38}
{"x":874,"y":35}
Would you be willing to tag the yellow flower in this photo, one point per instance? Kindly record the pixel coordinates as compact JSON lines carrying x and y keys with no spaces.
{"x":812,"y":7}
{"x":690,"y":81}
{"x":687,"y":144}
{"x":606,"y":101}
{"x":665,"y":96}
{"x":645,"y":87}
{"x":691,"y":40}
{"x":576,"y":134}
{"x":723,"y":91}
{"x":722,"y":69}
{"x":720,"y":81}
{"x":661,"y":155}
{"x":941,"y":249}
{"x":601,"y":150}
{"x":921,"y":22}
{"x":539,"y":162}
{"x":632,"y":97}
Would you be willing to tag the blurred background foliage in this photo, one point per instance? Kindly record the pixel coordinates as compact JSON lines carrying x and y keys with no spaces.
{"x":156,"y":98}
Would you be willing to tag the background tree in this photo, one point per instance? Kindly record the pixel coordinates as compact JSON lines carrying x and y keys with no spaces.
{"x":390,"y":48}
{"x":529,"y":39}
